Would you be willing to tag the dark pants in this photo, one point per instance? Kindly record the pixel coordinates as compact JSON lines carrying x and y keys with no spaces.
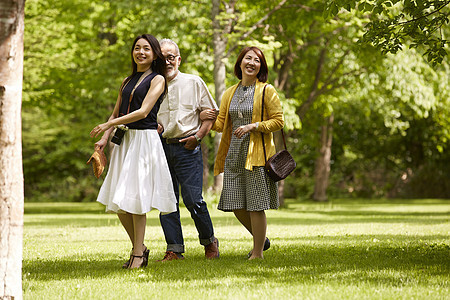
{"x":186,"y":169}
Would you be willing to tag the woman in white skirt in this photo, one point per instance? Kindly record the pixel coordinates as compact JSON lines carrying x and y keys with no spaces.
{"x":138,"y":178}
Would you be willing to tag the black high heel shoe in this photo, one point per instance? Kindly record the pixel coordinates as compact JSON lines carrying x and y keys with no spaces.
{"x":266,"y":246}
{"x":142,"y":265}
{"x":127,"y":263}
{"x":146,"y":253}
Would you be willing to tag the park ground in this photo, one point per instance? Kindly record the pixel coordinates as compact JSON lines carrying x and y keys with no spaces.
{"x":341,"y":249}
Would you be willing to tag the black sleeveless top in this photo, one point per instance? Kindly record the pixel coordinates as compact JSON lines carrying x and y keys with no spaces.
{"x":140,"y":92}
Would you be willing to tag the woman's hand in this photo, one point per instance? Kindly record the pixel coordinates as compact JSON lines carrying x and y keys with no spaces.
{"x":100,"y":145}
{"x":100,"y":128}
{"x":209,"y":114}
{"x":242,"y":130}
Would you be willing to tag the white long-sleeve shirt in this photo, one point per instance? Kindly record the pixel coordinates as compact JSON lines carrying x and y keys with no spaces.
{"x":180,"y":110}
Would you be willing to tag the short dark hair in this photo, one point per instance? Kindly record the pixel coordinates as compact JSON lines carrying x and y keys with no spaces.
{"x":263,"y":71}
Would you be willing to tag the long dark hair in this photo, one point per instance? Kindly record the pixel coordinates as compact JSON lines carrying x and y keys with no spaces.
{"x":158,"y":65}
{"x":263,"y":71}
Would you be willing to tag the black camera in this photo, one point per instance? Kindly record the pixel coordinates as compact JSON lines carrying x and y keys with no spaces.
{"x":118,"y":135}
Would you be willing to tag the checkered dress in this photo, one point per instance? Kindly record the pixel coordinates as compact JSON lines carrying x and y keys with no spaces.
{"x":244,"y":189}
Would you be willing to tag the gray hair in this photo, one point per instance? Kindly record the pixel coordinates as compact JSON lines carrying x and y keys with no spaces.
{"x":169,"y":41}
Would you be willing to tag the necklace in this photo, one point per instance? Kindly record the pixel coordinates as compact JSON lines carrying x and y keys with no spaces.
{"x":247,"y":91}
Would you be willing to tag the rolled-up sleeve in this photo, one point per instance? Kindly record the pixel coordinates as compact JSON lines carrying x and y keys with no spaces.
{"x":206,"y":99}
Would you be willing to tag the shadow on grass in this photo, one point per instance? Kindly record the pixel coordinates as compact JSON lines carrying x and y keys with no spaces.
{"x":345,"y":211}
{"x":357,"y":218}
{"x":379,"y":264}
{"x":339,"y":206}
{"x":347,"y":217}
{"x":379,"y":259}
{"x":83,"y":221}
{"x":361,"y":202}
{"x":63,"y":208}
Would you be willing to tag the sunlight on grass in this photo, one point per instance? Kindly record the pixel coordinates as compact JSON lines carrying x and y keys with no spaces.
{"x":345,"y":249}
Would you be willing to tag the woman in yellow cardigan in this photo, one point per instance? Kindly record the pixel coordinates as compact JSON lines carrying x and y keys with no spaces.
{"x":247,"y":189}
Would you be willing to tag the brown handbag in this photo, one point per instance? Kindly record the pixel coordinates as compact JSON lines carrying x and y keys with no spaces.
{"x":99,"y":162}
{"x":280,"y":165}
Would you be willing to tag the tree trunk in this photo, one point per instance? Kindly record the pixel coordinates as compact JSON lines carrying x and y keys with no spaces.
{"x":322,"y":166}
{"x":283,"y":71}
{"x":314,"y":93}
{"x":219,"y":46}
{"x":11,"y":174}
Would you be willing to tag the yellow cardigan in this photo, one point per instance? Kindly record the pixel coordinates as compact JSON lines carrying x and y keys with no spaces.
{"x":272,"y":121}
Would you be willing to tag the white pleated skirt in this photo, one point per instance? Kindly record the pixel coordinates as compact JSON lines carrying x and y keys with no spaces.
{"x":138,"y":178}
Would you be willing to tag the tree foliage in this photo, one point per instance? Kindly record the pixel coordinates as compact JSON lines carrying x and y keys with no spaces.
{"x":76,"y":55}
{"x":393,"y":23}
{"x":391,"y":111}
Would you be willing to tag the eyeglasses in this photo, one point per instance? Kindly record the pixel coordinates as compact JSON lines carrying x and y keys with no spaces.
{"x":171,"y":58}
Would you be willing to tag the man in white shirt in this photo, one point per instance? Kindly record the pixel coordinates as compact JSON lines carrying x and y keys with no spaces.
{"x":179,"y":116}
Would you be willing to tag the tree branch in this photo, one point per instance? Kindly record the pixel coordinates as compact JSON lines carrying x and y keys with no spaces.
{"x":255,"y":26}
{"x":340,"y":62}
{"x":333,"y":84}
{"x":314,"y":93}
{"x":424,"y":16}
{"x":304,"y":7}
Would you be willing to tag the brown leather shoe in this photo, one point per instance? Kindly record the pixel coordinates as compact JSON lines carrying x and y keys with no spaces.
{"x":212,"y":250}
{"x":170,"y":255}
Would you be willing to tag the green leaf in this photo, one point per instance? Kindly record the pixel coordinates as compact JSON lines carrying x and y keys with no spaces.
{"x":334,"y":9}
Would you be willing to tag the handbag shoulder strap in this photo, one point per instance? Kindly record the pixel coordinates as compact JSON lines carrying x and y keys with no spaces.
{"x":143,"y":76}
{"x":262,"y":115}
{"x":262,"y":134}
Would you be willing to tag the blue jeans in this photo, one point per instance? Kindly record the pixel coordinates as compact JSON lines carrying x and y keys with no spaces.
{"x":186,"y":169}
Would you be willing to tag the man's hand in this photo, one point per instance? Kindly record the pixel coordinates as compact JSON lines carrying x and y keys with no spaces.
{"x":160,"y":129}
{"x":191,"y":142}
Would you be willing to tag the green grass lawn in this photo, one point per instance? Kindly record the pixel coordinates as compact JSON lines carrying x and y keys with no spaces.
{"x":343,"y":249}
